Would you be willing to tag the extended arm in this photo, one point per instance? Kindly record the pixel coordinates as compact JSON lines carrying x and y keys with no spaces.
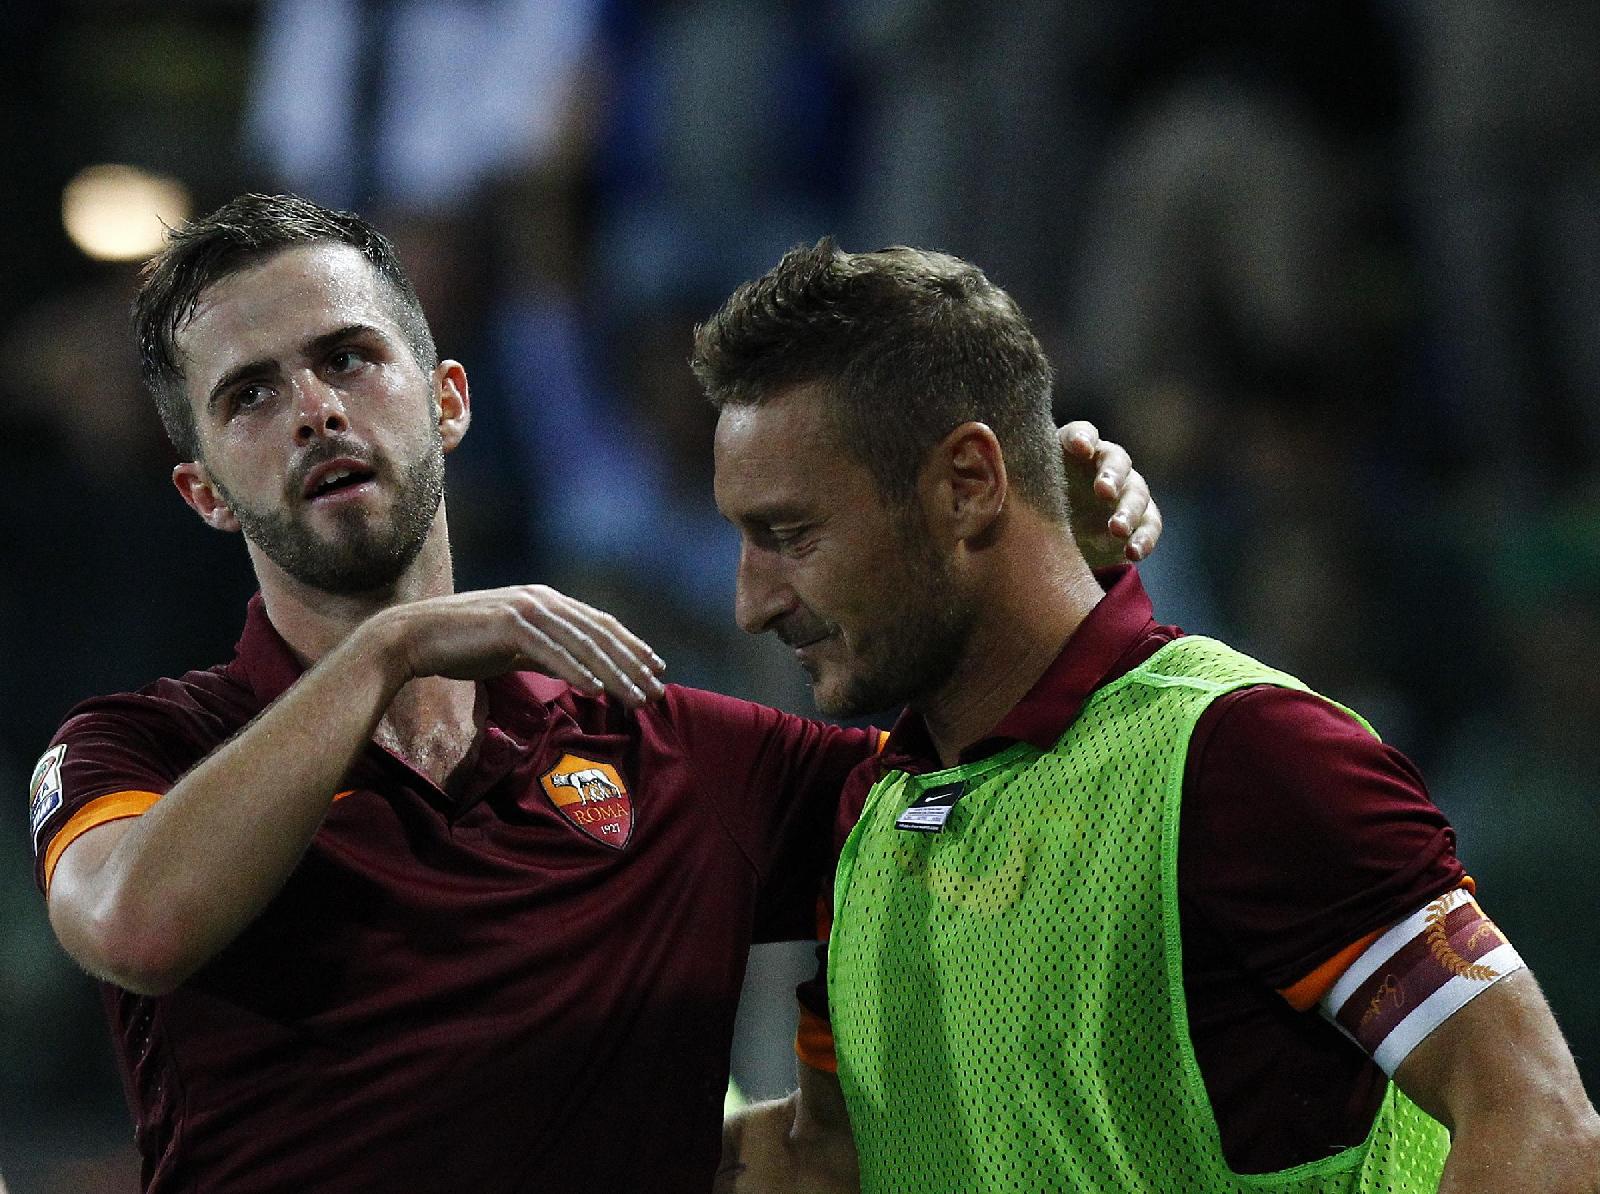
{"x":799,"y":1143}
{"x":144,"y":902}
{"x":1499,"y":1075}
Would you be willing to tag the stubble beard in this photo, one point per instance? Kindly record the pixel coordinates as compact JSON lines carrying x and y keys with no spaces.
{"x":360,"y":558}
{"x":917,"y":644}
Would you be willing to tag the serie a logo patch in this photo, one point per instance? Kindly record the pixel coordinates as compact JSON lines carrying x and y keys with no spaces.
{"x":44,"y":791}
{"x":593,"y":797}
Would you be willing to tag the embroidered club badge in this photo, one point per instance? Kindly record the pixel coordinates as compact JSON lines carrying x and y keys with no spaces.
{"x":593,"y":797}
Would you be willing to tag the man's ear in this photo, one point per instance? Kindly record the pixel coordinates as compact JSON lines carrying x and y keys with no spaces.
{"x":964,"y":482}
{"x":202,"y":496}
{"x":454,"y":400}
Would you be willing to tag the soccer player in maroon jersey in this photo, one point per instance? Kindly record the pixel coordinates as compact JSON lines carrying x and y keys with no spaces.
{"x":878,"y":449}
{"x":374,"y":905}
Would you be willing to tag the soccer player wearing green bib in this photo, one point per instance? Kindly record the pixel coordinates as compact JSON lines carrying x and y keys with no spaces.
{"x":1123,"y":909}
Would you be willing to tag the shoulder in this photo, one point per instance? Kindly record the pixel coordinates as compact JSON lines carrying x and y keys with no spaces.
{"x":1300,"y":830}
{"x":150,"y":737}
{"x":1279,"y":707}
{"x":116,"y":755}
{"x":739,"y":741}
{"x":1297,"y":763}
{"x":1293,"y":734}
{"x":199,"y":704}
{"x":736,"y":724}
{"x":764,"y":761}
{"x":681,"y":710}
{"x":858,"y":785}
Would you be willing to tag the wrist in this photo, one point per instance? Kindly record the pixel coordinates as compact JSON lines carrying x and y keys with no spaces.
{"x":380,"y":646}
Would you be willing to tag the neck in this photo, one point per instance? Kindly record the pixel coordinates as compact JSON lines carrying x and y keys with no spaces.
{"x":432,"y":721}
{"x":1034,"y":594}
{"x":313,"y":622}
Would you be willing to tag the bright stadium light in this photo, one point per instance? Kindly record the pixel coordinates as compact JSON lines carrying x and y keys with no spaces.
{"x":120,"y":213}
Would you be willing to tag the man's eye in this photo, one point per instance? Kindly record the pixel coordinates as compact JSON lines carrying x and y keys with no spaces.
{"x":249,"y":397}
{"x":343,"y":360}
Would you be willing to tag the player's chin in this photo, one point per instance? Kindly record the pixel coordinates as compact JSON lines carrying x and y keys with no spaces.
{"x":829,"y":691}
{"x":839,"y":693}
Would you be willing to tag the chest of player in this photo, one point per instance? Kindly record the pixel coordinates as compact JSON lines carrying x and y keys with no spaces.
{"x":537,"y":883}
{"x":1016,"y":976}
{"x":1033,"y":877}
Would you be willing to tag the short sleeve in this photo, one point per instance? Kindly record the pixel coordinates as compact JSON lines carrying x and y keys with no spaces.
{"x":1301,"y":834}
{"x":776,"y":779}
{"x":109,"y":761}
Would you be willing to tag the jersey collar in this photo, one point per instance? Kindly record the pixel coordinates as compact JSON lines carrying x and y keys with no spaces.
{"x":268,"y":666}
{"x":1116,"y":636}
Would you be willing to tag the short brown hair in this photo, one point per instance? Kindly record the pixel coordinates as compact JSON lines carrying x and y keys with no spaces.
{"x":909,"y":344}
{"x":242,"y":232}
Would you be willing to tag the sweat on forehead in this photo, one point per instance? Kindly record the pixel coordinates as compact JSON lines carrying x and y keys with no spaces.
{"x":286,"y":287}
{"x":287,"y":291}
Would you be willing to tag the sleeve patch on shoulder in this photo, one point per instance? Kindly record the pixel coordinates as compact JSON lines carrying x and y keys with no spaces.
{"x":1417,"y":975}
{"x":44,"y":791}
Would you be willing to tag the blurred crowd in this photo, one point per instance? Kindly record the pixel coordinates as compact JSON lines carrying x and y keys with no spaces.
{"x":1331,"y":271}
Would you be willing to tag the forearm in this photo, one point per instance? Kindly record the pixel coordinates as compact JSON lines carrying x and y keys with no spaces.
{"x":186,"y":877}
{"x":1499,"y":1075}
{"x":1556,"y":1157}
{"x":145,"y":902}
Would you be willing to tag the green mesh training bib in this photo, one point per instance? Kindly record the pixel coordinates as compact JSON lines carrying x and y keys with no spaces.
{"x":1007,"y":994}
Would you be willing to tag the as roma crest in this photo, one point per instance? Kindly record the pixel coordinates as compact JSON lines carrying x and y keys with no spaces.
{"x":593,"y":797}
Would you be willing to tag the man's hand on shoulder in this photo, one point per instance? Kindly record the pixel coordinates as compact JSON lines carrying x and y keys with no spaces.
{"x":472,"y":636}
{"x":1114,"y":518}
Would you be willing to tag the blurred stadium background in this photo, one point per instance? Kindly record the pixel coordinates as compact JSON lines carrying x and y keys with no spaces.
{"x":1332,"y":271}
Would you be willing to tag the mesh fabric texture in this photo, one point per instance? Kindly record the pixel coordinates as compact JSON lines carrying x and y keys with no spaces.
{"x":1007,"y":994}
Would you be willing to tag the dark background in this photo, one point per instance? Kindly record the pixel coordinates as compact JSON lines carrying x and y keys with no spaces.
{"x":1331,"y":271}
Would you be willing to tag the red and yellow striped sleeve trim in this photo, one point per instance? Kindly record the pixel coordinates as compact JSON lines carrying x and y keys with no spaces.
{"x":114,"y":807}
{"x":97,"y":812}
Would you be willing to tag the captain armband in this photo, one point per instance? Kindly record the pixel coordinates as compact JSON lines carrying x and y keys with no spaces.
{"x":1417,"y":975}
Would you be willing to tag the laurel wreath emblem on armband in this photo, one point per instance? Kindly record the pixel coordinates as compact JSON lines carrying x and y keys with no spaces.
{"x":1445,"y":954}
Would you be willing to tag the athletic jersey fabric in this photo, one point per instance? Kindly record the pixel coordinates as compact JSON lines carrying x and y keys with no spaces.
{"x":527,"y":985}
{"x":1300,"y":836}
{"x":1007,"y":990}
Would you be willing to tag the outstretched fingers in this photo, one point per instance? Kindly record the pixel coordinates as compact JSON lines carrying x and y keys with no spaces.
{"x":587,"y":647}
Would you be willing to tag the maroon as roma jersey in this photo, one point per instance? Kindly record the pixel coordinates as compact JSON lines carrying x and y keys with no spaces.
{"x":528,"y":985}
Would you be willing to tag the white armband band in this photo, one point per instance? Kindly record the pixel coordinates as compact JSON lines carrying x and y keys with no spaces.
{"x":1417,"y":975}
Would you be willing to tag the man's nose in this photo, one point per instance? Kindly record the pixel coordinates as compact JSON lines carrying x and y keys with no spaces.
{"x":760,"y":596}
{"x":319,"y":411}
